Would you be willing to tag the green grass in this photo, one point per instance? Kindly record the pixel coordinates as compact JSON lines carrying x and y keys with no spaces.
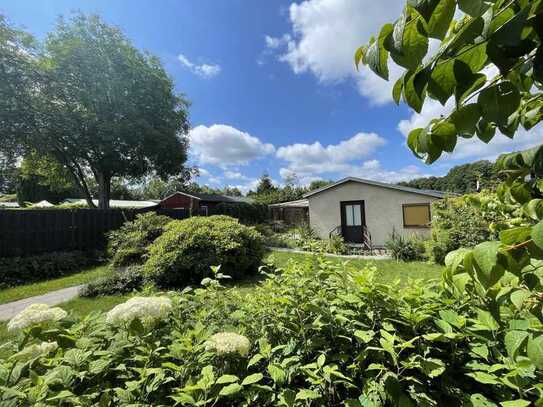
{"x":43,"y":287}
{"x":387,"y":270}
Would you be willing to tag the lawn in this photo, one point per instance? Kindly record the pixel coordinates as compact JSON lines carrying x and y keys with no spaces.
{"x":43,"y":287}
{"x":387,"y":270}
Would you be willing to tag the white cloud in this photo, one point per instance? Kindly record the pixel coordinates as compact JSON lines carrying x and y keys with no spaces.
{"x":203,"y":70}
{"x":203,"y":172}
{"x":325,"y":35}
{"x":314,"y":158}
{"x":235,"y":175}
{"x":224,"y":145}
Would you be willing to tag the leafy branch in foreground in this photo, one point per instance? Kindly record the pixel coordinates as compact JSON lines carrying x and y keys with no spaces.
{"x":490,"y":61}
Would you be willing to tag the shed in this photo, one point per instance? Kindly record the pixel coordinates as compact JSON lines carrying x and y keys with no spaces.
{"x":291,"y":213}
{"x":366,"y":211}
{"x":195,"y":203}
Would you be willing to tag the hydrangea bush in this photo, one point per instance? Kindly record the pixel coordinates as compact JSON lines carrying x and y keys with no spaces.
{"x":312,"y":334}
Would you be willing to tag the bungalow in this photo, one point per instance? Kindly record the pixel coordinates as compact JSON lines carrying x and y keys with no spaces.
{"x":196,"y":203}
{"x":367,"y":212}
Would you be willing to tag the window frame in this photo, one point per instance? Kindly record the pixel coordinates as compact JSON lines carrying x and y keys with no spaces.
{"x":411,"y":205}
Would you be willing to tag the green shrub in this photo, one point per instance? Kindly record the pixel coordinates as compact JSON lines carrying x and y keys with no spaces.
{"x":24,"y":270}
{"x":130,"y":243}
{"x":188,"y":248}
{"x":243,"y":211}
{"x":336,"y":245}
{"x":466,"y":221}
{"x":406,"y":248}
{"x":119,"y":281}
{"x":321,"y":334}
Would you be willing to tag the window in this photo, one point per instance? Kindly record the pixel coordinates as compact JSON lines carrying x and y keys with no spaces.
{"x":203,"y":210}
{"x":416,"y":215}
{"x":353,"y":215}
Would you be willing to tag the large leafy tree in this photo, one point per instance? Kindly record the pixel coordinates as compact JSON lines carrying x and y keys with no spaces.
{"x":93,"y":102}
{"x":490,"y":61}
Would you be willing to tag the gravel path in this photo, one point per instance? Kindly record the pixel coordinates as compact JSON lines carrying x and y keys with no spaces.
{"x":9,"y":310}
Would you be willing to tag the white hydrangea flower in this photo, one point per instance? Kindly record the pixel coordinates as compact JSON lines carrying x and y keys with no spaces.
{"x":223,"y":343}
{"x":35,"y":351}
{"x":35,"y":314}
{"x":146,"y":309}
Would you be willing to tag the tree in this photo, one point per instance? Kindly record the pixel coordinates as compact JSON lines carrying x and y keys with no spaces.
{"x":93,"y":102}
{"x":497,"y":278}
{"x":461,"y":179}
{"x":8,"y":173}
{"x":265,"y":185}
{"x":316,"y":184}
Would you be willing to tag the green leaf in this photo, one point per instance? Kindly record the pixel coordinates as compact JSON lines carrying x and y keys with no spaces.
{"x":425,"y":8}
{"x":513,"y":341}
{"x":516,"y":403}
{"x":441,"y":18}
{"x":376,"y":56}
{"x":499,"y":101}
{"x":467,"y":81}
{"x":535,"y":351}
{"x":442,"y":81}
{"x":518,"y":297}
{"x":255,"y":359}
{"x":478,"y":400}
{"x":397,"y":90}
{"x":510,"y":33}
{"x":485,"y":130}
{"x":484,"y":378}
{"x":486,"y":258}
{"x":474,"y":8}
{"x":432,"y":367}
{"x":277,"y":374}
{"x":465,"y":118}
{"x":306,"y":394}
{"x":537,"y":234}
{"x":475,"y":57}
{"x":364,"y":336}
{"x":415,"y":89}
{"x":251,"y":379}
{"x":486,"y":320}
{"x":515,"y":235}
{"x":359,"y":55}
{"x":534,"y":209}
{"x":444,"y":136}
{"x":414,"y":47}
{"x":227,"y":378}
{"x":230,"y":389}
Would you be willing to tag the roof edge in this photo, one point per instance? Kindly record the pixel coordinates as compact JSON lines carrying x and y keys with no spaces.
{"x":436,"y":194}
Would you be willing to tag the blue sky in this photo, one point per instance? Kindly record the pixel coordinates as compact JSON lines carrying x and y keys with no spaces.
{"x":273,"y":86}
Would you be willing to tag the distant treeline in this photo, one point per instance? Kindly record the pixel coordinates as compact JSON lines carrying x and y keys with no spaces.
{"x":461,"y":179}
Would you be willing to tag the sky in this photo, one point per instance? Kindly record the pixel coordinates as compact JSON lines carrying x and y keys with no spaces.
{"x":273,"y":87}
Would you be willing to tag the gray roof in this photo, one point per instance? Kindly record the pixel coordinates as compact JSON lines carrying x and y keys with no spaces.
{"x":300,"y":203}
{"x":213,"y":197}
{"x":435,"y":194}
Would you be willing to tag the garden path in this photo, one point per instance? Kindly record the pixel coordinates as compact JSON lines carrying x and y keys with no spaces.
{"x":342,"y":256}
{"x":9,"y":310}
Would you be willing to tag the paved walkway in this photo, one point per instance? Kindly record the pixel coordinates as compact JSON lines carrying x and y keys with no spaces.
{"x":9,"y":310}
{"x":341,"y":256}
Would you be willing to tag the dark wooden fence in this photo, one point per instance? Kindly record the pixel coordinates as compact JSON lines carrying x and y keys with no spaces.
{"x":26,"y":232}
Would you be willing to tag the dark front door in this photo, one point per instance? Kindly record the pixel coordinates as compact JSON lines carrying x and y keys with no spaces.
{"x":353,"y":221}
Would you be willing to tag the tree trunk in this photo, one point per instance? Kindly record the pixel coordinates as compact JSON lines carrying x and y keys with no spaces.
{"x":104,"y":189}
